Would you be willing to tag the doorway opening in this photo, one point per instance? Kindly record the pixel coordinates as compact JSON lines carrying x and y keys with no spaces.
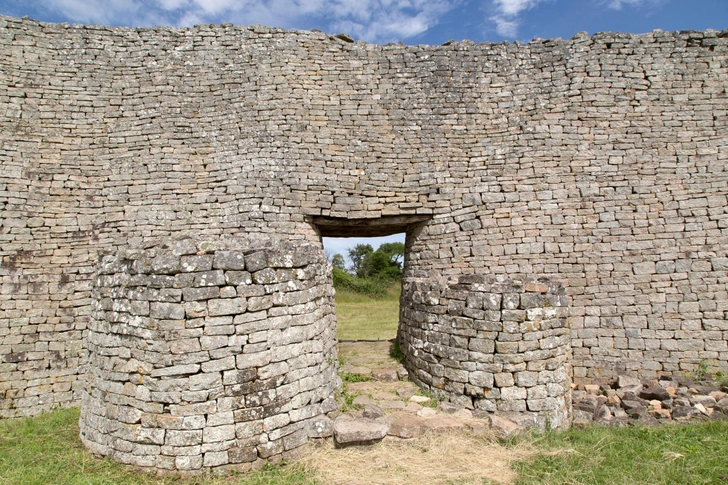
{"x":367,"y":278}
{"x":369,"y":258}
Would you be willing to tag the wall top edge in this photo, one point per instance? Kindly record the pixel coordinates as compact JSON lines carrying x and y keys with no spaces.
{"x":28,"y":24}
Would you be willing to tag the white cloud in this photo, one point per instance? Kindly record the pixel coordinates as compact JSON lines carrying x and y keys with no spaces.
{"x":173,"y":4}
{"x":506,"y":28}
{"x":370,"y":20}
{"x":513,"y":7}
{"x":618,"y":4}
{"x":506,"y":17}
{"x":387,"y":20}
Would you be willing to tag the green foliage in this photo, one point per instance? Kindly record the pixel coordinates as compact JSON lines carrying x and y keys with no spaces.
{"x":354,"y":377}
{"x":701,"y":369}
{"x":721,"y":378}
{"x":357,"y":254}
{"x":395,"y":352}
{"x":372,"y":272}
{"x":384,"y":263}
{"x":374,"y":287}
{"x":337,"y":261}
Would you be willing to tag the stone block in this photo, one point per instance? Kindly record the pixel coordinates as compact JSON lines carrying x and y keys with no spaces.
{"x":195,"y":263}
{"x":166,"y":311}
{"x":229,"y":260}
{"x":222,"y":307}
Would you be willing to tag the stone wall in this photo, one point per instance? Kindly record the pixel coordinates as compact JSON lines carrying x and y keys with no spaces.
{"x":597,"y":161}
{"x":491,"y":343}
{"x":210,"y":354}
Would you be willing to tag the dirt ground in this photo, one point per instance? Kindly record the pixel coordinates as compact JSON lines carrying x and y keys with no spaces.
{"x":427,"y":443}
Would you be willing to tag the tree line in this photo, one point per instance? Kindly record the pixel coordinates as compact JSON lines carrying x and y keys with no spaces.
{"x":371,"y":272}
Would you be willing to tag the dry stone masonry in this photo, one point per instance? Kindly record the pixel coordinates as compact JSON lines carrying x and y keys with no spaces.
{"x":491,"y":343}
{"x":209,"y":354}
{"x":597,"y":162}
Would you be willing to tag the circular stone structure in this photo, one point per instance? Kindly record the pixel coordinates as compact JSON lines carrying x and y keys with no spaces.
{"x":210,"y":354}
{"x":496,"y":343}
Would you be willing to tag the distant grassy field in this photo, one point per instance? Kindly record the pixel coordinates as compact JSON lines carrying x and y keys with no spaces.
{"x":360,"y":317}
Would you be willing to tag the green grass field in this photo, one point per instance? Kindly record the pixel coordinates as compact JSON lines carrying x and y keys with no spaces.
{"x":360,"y":317}
{"x":670,"y":454}
{"x":46,"y":450}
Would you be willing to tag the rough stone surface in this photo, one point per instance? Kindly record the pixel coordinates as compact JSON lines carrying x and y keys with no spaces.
{"x":232,"y":386}
{"x":598,"y":161}
{"x":491,"y":343}
{"x":349,"y":430}
{"x":658,"y":400}
{"x":504,"y":428}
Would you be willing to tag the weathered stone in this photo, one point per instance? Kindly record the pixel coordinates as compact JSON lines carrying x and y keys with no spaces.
{"x":682,"y":413}
{"x":229,"y":260}
{"x":634,"y":408}
{"x":654,"y":392}
{"x":90,"y":165}
{"x":194,"y":263}
{"x":628,"y":383}
{"x":385,"y":374}
{"x":707,"y":401}
{"x":358,"y":431}
{"x":372,"y":411}
{"x":321,"y":427}
{"x":504,"y":428}
{"x":442,"y":423}
{"x":407,"y":427}
{"x":722,"y":405}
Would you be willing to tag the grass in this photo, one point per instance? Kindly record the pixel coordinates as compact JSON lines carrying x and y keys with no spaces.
{"x":46,"y":450}
{"x":670,"y":454}
{"x":361,"y":317}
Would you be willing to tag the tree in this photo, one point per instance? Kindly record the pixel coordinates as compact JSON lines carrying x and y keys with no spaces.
{"x":337,"y":260}
{"x":357,"y":254}
{"x":385,"y":262}
{"x":395,"y":252}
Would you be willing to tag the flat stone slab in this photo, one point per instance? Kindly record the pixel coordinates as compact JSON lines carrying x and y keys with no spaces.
{"x":504,"y":428}
{"x":406,"y":392}
{"x":363,"y":401}
{"x":407,"y":427}
{"x":426,"y":412}
{"x":413,"y":408}
{"x":392,"y":404}
{"x":442,"y":423}
{"x":385,"y":375}
{"x":349,"y":430}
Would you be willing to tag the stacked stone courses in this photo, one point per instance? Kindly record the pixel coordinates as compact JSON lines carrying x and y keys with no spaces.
{"x":491,"y":343}
{"x":598,"y":162}
{"x":209,"y":354}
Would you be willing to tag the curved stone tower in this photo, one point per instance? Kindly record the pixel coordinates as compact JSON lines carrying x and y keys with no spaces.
{"x":491,"y":342}
{"x":209,"y":354}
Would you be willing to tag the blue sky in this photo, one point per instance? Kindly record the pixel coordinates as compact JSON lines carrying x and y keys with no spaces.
{"x":408,"y":21}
